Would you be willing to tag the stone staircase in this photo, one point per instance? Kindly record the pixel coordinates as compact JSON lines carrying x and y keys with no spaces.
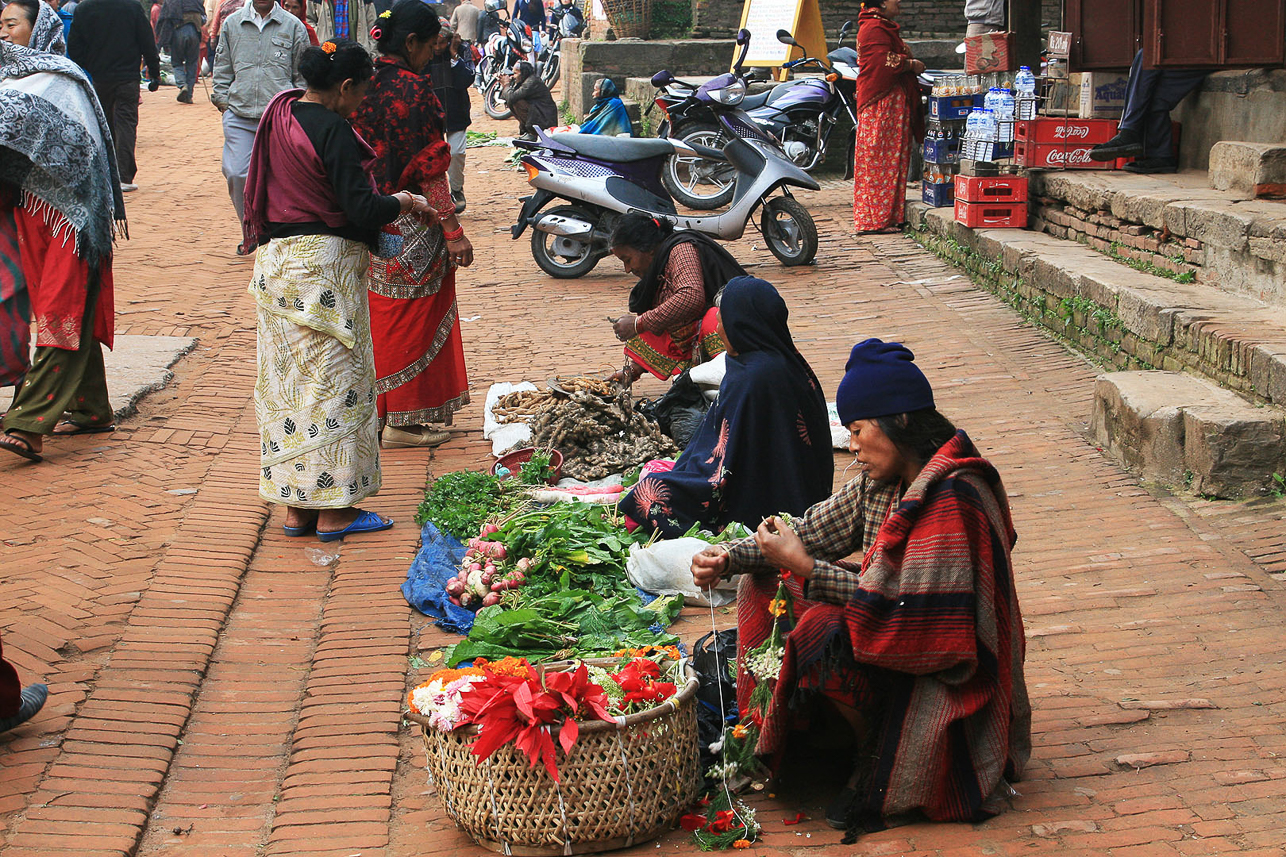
{"x":1153,"y":273}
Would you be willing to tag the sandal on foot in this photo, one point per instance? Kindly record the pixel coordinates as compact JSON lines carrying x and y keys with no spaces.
{"x":296,"y":532}
{"x":398,"y":438}
{"x":82,"y":428}
{"x":366,"y":522}
{"x":10,"y":442}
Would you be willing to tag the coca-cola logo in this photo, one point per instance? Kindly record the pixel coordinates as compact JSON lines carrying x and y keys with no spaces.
{"x":1071,"y":132}
{"x":1067,"y":158}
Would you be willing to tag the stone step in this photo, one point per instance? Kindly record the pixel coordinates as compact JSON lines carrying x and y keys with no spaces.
{"x":1236,"y":244}
{"x":1184,"y":431}
{"x":1253,"y":170}
{"x":1129,"y":319}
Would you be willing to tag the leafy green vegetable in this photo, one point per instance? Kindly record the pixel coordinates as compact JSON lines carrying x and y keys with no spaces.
{"x":459,"y":503}
{"x":565,"y":624}
{"x":538,"y":469}
{"x":572,"y":546}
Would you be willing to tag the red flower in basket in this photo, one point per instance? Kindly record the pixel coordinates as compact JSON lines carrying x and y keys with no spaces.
{"x":637,"y":680}
{"x":512,"y":708}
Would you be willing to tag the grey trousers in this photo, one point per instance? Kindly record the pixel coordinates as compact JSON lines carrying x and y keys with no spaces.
{"x":455,"y":172}
{"x":238,"y":140}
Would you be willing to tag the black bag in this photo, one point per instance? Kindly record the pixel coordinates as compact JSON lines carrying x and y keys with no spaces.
{"x":679,"y":412}
{"x":714,"y":658}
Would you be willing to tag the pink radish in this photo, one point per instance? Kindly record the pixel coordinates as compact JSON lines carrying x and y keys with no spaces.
{"x":490,"y":599}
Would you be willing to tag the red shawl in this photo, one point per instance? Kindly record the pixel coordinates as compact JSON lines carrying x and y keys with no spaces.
{"x":287,"y":182}
{"x":884,"y":64}
{"x":403,"y":121}
{"x":937,"y":649}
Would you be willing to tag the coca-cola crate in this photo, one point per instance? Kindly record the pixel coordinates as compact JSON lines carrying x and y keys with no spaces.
{"x":1059,"y":129}
{"x":991,"y":189}
{"x":991,"y":215}
{"x":1058,"y":156}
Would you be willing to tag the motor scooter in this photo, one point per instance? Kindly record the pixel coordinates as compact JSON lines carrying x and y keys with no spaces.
{"x":601,"y":178}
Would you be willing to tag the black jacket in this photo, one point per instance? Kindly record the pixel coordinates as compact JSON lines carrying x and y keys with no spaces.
{"x":110,"y":37}
{"x":451,"y":82}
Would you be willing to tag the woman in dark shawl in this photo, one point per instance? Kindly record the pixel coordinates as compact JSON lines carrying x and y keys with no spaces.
{"x":671,"y":323}
{"x":770,"y":409}
{"x":888,"y":118}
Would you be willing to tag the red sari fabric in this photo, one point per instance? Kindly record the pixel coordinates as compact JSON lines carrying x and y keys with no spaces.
{"x":419,"y":355}
{"x":881,"y":162}
{"x":888,"y":119}
{"x":58,"y":279}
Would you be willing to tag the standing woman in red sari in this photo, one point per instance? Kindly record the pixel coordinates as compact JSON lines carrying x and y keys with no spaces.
{"x":888,"y":119}
{"x":419,"y":358}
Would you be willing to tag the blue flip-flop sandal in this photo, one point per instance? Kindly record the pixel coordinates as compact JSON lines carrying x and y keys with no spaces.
{"x":295,"y":532}
{"x":367,"y":522}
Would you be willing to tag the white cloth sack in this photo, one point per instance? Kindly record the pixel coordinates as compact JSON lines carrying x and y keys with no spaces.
{"x":665,"y":568}
{"x":504,"y":436}
{"x":839,"y":432}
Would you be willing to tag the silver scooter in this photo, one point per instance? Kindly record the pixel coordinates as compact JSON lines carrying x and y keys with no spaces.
{"x":604,"y":177}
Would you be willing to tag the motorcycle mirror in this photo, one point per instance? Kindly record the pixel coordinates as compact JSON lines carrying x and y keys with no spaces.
{"x":785,"y":37}
{"x":843,"y":31}
{"x":662,"y":79}
{"x":743,"y":36}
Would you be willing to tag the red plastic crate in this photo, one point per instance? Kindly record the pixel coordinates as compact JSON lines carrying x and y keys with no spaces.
{"x":991,"y":215}
{"x":991,"y":188}
{"x":1065,"y":130}
{"x":1058,"y":156}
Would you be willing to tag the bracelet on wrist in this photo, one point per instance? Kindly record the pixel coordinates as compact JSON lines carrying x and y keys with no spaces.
{"x":454,"y":236}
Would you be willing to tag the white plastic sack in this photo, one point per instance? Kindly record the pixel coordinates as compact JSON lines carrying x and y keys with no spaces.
{"x":709,"y":375}
{"x":665,"y":568}
{"x":504,"y":436}
{"x":839,"y":432}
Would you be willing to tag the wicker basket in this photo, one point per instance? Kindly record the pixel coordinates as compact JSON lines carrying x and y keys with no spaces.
{"x":629,"y":18}
{"x":622,"y":783}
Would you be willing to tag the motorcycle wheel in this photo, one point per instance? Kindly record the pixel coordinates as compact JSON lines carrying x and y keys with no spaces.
{"x":551,"y":71}
{"x":562,"y":257}
{"x":493,"y":103}
{"x":789,"y":230}
{"x":695,"y":182}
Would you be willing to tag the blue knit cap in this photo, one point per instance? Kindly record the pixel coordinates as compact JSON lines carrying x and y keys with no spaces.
{"x":880,"y":379}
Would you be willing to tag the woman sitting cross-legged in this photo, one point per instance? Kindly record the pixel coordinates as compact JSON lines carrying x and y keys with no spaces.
{"x":765,"y":446}
{"x":920,"y":648}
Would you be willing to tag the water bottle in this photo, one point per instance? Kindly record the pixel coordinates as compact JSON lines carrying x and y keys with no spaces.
{"x":1025,"y":82}
{"x":987,"y":124}
{"x":1004,"y":105}
{"x":989,"y":100}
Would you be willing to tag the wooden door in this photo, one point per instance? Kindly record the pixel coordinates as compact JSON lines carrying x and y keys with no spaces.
{"x":1105,"y":33}
{"x":1253,"y":32}
{"x":1214,"y":33}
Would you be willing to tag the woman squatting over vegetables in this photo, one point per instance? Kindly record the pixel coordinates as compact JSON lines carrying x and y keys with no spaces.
{"x":921,"y":648}
{"x":671,"y":323}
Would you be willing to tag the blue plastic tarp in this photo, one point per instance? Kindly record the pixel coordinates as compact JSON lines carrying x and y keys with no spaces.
{"x":425,"y":588}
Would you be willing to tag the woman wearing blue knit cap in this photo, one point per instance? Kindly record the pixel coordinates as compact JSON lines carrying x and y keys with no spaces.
{"x":919,"y":647}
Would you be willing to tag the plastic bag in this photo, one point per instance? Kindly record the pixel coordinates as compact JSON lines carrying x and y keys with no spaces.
{"x":504,"y":436}
{"x":713,"y":658}
{"x":665,"y":568}
{"x":425,"y":588}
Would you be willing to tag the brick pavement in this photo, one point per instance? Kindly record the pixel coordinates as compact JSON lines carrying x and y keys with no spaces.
{"x":215,"y":692}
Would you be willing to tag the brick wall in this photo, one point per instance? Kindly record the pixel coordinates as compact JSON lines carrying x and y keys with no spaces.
{"x":1118,"y":238}
{"x":719,"y":18}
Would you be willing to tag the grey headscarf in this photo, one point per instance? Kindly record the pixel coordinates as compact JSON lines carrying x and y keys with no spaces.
{"x":47,"y":33}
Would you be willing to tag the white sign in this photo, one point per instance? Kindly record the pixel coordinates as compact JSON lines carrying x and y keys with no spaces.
{"x":764,"y":19}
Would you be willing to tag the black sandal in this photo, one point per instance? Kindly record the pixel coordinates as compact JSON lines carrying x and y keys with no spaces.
{"x":26,"y":451}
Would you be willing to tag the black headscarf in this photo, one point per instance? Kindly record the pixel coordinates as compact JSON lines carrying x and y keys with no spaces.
{"x":765,"y":446}
{"x":717,"y":268}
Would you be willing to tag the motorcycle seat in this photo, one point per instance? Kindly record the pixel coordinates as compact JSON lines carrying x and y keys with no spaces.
{"x":618,"y":149}
{"x":759,"y":99}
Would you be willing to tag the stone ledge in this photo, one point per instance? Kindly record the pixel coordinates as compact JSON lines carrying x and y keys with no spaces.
{"x":1187,"y":432}
{"x":1128,"y":319}
{"x":1236,"y":244}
